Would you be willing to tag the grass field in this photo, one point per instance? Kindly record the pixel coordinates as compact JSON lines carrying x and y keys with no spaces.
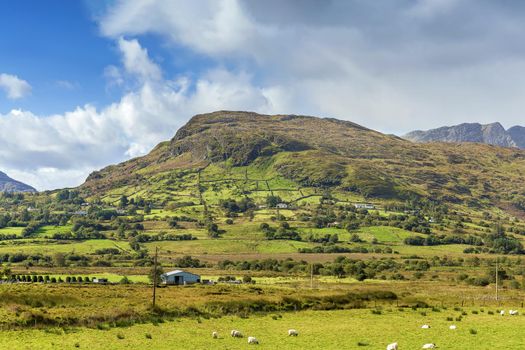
{"x":12,"y":231}
{"x":347,"y":329}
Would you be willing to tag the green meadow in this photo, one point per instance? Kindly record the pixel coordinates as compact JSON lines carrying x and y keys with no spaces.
{"x":345,"y":329}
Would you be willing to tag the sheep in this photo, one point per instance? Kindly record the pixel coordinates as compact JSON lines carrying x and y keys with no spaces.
{"x":252,"y":340}
{"x":425,"y":326}
{"x":502,"y":312}
{"x":429,"y":346}
{"x":392,"y":346}
{"x":452,"y":327}
{"x":513,"y":312}
{"x":293,"y":333}
{"x":236,"y":334}
{"x":215,"y":335}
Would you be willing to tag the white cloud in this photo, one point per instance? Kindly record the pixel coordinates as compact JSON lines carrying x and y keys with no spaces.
{"x":67,"y":85}
{"x":136,"y":60}
{"x":14,"y":87}
{"x":390,"y":65}
{"x":61,"y":150}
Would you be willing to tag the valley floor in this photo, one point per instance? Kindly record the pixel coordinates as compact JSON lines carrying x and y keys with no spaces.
{"x":345,"y":329}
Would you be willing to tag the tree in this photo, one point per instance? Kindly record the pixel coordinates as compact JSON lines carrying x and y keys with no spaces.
{"x":213,"y":230}
{"x":272,"y":201}
{"x":6,"y":271}
{"x":125,"y":280}
{"x":59,"y":259}
{"x":158,"y":272}
{"x":123,"y":202}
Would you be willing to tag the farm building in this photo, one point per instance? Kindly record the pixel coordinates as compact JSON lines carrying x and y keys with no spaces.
{"x":100,"y":280}
{"x":364,"y":206}
{"x":179,"y":277}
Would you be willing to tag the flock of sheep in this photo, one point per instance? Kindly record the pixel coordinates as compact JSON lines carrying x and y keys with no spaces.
{"x":394,"y":346}
{"x":251,"y":340}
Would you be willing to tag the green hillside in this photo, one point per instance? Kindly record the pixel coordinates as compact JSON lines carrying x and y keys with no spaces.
{"x":246,"y":154}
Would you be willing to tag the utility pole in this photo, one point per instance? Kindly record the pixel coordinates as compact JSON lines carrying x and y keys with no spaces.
{"x":155,"y":276}
{"x":311,"y":275}
{"x":497,"y":291}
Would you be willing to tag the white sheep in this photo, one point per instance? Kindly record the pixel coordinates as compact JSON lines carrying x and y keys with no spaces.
{"x":425,"y":326}
{"x":429,"y":346}
{"x":293,"y":333}
{"x":215,"y":335}
{"x":502,"y":312}
{"x":513,"y":312}
{"x":452,"y":327}
{"x":236,"y":334}
{"x":392,"y":346}
{"x":252,"y":340}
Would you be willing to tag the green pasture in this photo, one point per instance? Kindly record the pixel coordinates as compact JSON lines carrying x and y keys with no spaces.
{"x":347,"y":329}
{"x":43,"y":246}
{"x":228,"y":246}
{"x":49,"y":231}
{"x":11,"y":231}
{"x":385,"y":234}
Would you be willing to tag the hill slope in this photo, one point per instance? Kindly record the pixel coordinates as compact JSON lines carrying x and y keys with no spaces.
{"x":242,"y":152}
{"x":492,"y":134}
{"x":9,"y":185}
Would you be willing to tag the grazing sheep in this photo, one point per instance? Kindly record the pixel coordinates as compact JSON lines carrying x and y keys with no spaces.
{"x":452,"y":327}
{"x":513,"y":312}
{"x":252,"y":340}
{"x":425,"y":326}
{"x":392,"y":346}
{"x":236,"y":334}
{"x":215,"y":335}
{"x":293,"y":333}
{"x":502,"y":312}
{"x":429,"y":346}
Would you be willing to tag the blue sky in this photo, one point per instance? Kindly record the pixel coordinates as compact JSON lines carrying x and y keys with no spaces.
{"x":88,"y":84}
{"x":56,"y":46}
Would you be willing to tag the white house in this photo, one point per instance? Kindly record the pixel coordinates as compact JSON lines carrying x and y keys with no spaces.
{"x":100,"y":280}
{"x":282,"y":206}
{"x":179,"y":277}
{"x":364,"y":206}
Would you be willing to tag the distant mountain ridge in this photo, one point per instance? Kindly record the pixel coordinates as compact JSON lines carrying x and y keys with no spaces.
{"x":7,"y":184}
{"x":492,"y":134}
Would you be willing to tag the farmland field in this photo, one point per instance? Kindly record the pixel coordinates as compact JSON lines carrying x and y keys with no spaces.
{"x":345,"y":329}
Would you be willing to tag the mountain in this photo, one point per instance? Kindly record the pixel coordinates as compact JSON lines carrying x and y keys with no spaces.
{"x":517,"y":133}
{"x":9,"y":185}
{"x":234,"y":154}
{"x":492,"y":134}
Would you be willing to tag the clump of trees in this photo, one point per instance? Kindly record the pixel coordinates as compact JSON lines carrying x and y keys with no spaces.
{"x":284,"y":231}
